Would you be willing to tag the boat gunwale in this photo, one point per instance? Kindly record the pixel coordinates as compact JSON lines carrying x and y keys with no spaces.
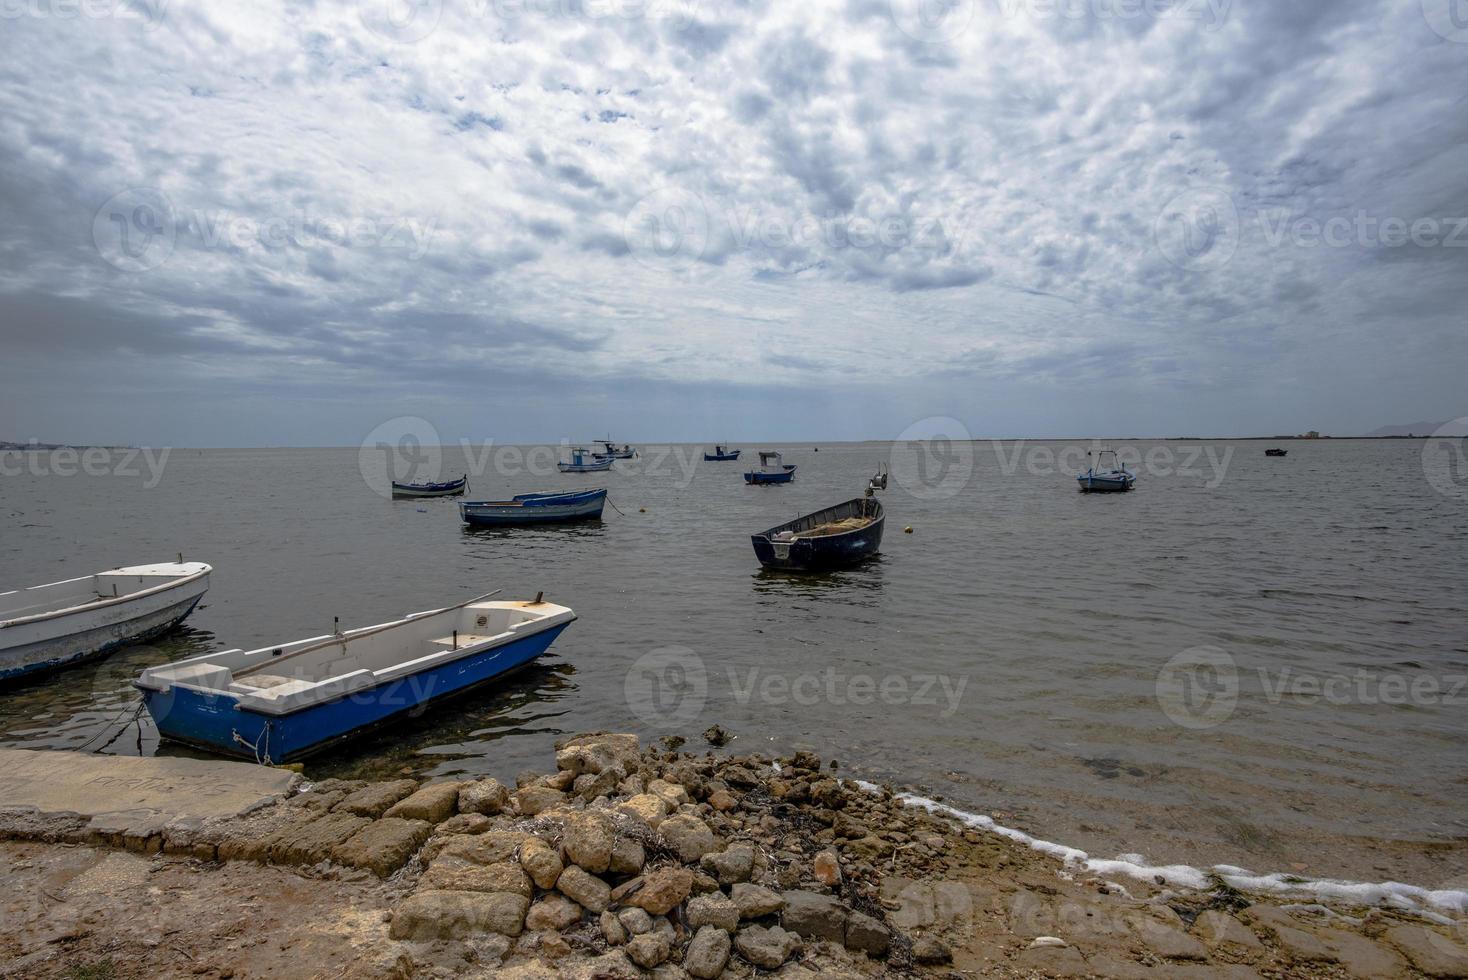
{"x":101,"y":603}
{"x":881,"y":516}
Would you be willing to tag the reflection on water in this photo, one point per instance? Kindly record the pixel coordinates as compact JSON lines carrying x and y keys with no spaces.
{"x":858,"y":586}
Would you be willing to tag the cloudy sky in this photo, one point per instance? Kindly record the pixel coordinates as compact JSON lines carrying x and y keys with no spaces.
{"x":286,"y":223}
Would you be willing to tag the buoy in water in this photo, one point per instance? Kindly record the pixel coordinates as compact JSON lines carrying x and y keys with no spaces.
{"x":642,"y":510}
{"x":907,"y":530}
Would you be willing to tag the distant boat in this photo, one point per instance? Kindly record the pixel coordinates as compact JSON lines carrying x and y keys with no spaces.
{"x":613,"y":451}
{"x":534,"y":508}
{"x":450,"y":488}
{"x":584,"y":461}
{"x":772,"y":469}
{"x":284,"y":702}
{"x":1116,"y":479}
{"x":836,"y":537}
{"x":721,"y":454}
{"x":47,"y":627}
{"x":1276,"y":452}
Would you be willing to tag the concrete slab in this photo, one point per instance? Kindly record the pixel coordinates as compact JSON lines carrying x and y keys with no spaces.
{"x":98,"y":785}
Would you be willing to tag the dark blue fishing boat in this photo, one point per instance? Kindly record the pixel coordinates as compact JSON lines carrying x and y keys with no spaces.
{"x":450,"y":488}
{"x":534,"y":508}
{"x":837,"y":537}
{"x":772,"y":469}
{"x":286,"y":702}
{"x":721,"y":454}
{"x":1276,"y":452}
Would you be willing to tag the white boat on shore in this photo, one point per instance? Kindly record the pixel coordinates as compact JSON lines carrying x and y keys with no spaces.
{"x":47,"y":627}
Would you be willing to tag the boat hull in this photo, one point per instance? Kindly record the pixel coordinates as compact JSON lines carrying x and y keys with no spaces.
{"x":827,"y":552}
{"x":754,"y":477}
{"x":32,"y":649}
{"x":596,"y":467}
{"x":1101,"y":484}
{"x":215,"y":721}
{"x":721,"y":457}
{"x":535,"y":509}
{"x":408,"y":490}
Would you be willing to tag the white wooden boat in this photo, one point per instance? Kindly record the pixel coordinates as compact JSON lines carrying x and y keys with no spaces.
{"x":51,"y":626}
{"x":283,"y":702}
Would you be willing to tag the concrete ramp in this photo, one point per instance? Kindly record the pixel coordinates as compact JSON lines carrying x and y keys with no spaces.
{"x":135,"y":796}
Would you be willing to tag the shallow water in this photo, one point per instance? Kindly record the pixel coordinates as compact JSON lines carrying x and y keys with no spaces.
{"x":1005,"y":655}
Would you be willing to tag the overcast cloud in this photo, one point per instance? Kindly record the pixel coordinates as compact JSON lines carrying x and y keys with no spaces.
{"x":283,"y":223}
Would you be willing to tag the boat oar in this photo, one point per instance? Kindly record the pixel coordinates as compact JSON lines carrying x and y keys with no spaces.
{"x":344,"y":640}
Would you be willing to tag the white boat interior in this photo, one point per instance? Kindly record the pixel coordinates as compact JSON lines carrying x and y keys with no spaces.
{"x":60,"y":598}
{"x":281,"y":679}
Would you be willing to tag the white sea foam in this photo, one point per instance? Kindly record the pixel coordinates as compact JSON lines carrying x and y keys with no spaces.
{"x":1426,"y":902}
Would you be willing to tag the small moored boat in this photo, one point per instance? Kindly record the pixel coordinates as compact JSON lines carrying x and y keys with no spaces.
{"x":1102,"y":479}
{"x":449,"y":488}
{"x":721,"y":454}
{"x":1276,"y":452}
{"x":534,"y":508}
{"x":610,"y":450}
{"x":51,"y":626}
{"x":772,"y":469}
{"x":584,"y":461}
{"x":836,"y":537}
{"x":285,"y":702}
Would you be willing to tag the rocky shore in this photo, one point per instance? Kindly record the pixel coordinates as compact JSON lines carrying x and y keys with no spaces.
{"x":636,"y":861}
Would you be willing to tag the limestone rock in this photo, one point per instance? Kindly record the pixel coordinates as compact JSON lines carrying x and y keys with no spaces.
{"x":648,"y":949}
{"x":457,"y":915}
{"x":1363,"y":958}
{"x":312,"y":841}
{"x":541,"y":862}
{"x":466,"y":823}
{"x":593,"y":753}
{"x":689,"y":836}
{"x":931,"y":951}
{"x":487,"y":796}
{"x":662,"y":890}
{"x":635,"y":920}
{"x":754,"y":901}
{"x":707,"y":953}
{"x":1223,"y":932}
{"x":612,"y":929}
{"x":732,"y":865}
{"x":814,"y":916}
{"x":373,"y":799}
{"x":434,"y":803}
{"x":554,"y":913}
{"x":530,"y":800}
{"x":865,"y":934}
{"x":766,"y":948}
{"x":383,"y":846}
{"x":646,"y":807}
{"x":1431,"y":952}
{"x":628,"y":856}
{"x":450,"y":873}
{"x":587,"y":841}
{"x":713,"y":910}
{"x":723,"y":800}
{"x":587,"y":889}
{"x":827,"y":868}
{"x":672,"y":794}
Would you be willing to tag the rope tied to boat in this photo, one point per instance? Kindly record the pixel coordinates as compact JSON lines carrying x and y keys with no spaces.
{"x":254,"y":746}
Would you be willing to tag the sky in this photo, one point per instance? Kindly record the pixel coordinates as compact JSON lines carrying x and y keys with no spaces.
{"x":269,"y":223}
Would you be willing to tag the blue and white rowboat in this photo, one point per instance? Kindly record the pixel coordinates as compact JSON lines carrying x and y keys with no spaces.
{"x":534,"y":508}
{"x":449,"y":488}
{"x":285,"y":702}
{"x":1115,"y":479}
{"x":584,"y":461}
{"x":52,"y":626}
{"x":772,"y":469}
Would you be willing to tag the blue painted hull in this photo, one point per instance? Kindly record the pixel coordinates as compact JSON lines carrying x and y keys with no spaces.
{"x":828,"y":551}
{"x":535,"y":508}
{"x":757,"y":477}
{"x":721,"y":457}
{"x":214,"y":720}
{"x":1099,"y":484}
{"x":452,"y":488}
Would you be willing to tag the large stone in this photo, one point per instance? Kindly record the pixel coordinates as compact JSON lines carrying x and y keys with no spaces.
{"x":1431,"y":952}
{"x":612,"y":929}
{"x":865,"y":934}
{"x":541,"y":861}
{"x":953,"y":904}
{"x":458,"y":915}
{"x":827,"y":868}
{"x":487,"y":796}
{"x":593,"y":753}
{"x":530,"y":800}
{"x":374,"y":799}
{"x":755,"y":901}
{"x":931,"y":951}
{"x":588,"y":786}
{"x":636,"y":921}
{"x":383,"y":846}
{"x":814,"y":916}
{"x":312,"y":841}
{"x":732,"y":865}
{"x":456,"y":874}
{"x":1222,"y":932}
{"x":1363,"y":958}
{"x":672,"y":794}
{"x":583,"y":887}
{"x":648,"y":949}
{"x":713,"y":910}
{"x":465,"y":823}
{"x":689,"y":836}
{"x":662,"y":890}
{"x":766,"y":948}
{"x":609,"y":966}
{"x":707,"y":953}
{"x":587,"y":841}
{"x":628,"y":856}
{"x":916,"y":907}
{"x":1166,"y":940}
{"x":553,"y":913}
{"x":434,"y":803}
{"x":487,"y":848}
{"x":650,"y":809}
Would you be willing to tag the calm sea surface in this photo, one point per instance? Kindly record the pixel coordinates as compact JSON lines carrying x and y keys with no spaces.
{"x":1248,"y":660}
